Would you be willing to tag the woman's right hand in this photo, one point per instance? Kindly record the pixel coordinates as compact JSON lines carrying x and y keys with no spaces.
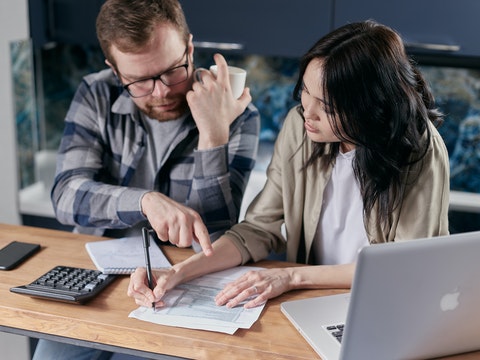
{"x":163,"y":280}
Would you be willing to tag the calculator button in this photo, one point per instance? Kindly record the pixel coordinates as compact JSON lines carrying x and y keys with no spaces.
{"x":68,"y":284}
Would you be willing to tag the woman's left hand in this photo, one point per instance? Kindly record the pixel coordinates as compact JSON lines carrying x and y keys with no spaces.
{"x":255,"y":288}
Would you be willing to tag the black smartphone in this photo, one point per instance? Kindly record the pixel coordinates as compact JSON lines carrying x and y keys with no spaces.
{"x":15,"y":253}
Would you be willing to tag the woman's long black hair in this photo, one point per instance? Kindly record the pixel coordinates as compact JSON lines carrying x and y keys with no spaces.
{"x":380,"y":103}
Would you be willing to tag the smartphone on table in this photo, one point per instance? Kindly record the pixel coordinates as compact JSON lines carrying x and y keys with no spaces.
{"x":15,"y":253}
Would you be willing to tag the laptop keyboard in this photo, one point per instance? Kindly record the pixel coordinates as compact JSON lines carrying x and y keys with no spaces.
{"x":336,"y":331}
{"x":69,"y":284}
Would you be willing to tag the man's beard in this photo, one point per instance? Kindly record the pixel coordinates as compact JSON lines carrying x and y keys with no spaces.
{"x":153,"y":112}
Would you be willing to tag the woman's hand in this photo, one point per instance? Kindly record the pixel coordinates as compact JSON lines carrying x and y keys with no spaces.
{"x":255,"y":287}
{"x":163,"y":280}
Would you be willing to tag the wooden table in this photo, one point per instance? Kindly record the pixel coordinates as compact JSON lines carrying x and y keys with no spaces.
{"x":104,"y":322}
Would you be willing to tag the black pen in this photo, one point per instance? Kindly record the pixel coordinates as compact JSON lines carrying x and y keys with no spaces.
{"x":146,"y":246}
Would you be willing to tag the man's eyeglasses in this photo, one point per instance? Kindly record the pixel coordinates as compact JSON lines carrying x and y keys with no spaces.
{"x":169,"y":77}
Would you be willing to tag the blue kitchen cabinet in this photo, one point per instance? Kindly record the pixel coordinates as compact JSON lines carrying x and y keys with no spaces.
{"x":63,"y":21}
{"x":448,"y":28}
{"x":282,"y":27}
{"x":273,"y":27}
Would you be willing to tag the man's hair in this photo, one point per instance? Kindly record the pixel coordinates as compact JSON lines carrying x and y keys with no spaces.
{"x":128,"y":24}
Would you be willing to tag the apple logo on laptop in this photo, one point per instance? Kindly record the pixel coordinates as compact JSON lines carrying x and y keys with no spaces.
{"x":449,"y":301}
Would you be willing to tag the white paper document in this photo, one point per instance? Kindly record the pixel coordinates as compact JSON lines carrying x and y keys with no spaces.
{"x":192,"y":305}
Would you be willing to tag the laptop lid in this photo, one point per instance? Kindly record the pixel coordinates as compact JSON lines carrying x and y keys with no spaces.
{"x":409,"y":300}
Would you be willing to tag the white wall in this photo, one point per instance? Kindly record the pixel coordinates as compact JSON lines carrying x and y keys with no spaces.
{"x":13,"y":26}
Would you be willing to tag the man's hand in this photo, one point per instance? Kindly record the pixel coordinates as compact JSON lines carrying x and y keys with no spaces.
{"x":213,"y":106}
{"x":175,"y":222}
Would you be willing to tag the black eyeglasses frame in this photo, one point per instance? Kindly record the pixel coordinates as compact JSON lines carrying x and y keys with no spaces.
{"x":159,"y":77}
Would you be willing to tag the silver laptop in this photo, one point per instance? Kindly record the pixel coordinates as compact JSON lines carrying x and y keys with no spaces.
{"x":409,"y":300}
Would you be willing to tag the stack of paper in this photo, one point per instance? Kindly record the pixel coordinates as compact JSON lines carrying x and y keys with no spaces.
{"x":192,"y":305}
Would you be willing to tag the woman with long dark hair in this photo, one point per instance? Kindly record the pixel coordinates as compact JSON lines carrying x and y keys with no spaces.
{"x":359,"y":162}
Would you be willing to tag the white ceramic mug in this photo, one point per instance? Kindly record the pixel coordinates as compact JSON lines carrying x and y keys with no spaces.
{"x":237,"y":78}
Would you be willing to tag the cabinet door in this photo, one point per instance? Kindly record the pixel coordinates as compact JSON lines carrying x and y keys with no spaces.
{"x":266,"y":27}
{"x":440,"y":27}
{"x":63,"y":21}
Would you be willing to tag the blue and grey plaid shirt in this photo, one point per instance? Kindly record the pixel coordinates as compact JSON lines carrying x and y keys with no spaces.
{"x":103,"y":142}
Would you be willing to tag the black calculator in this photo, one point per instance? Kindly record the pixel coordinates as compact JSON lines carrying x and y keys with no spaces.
{"x":67,"y":284}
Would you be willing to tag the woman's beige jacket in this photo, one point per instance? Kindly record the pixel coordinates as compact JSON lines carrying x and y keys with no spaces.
{"x":293,"y":197}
